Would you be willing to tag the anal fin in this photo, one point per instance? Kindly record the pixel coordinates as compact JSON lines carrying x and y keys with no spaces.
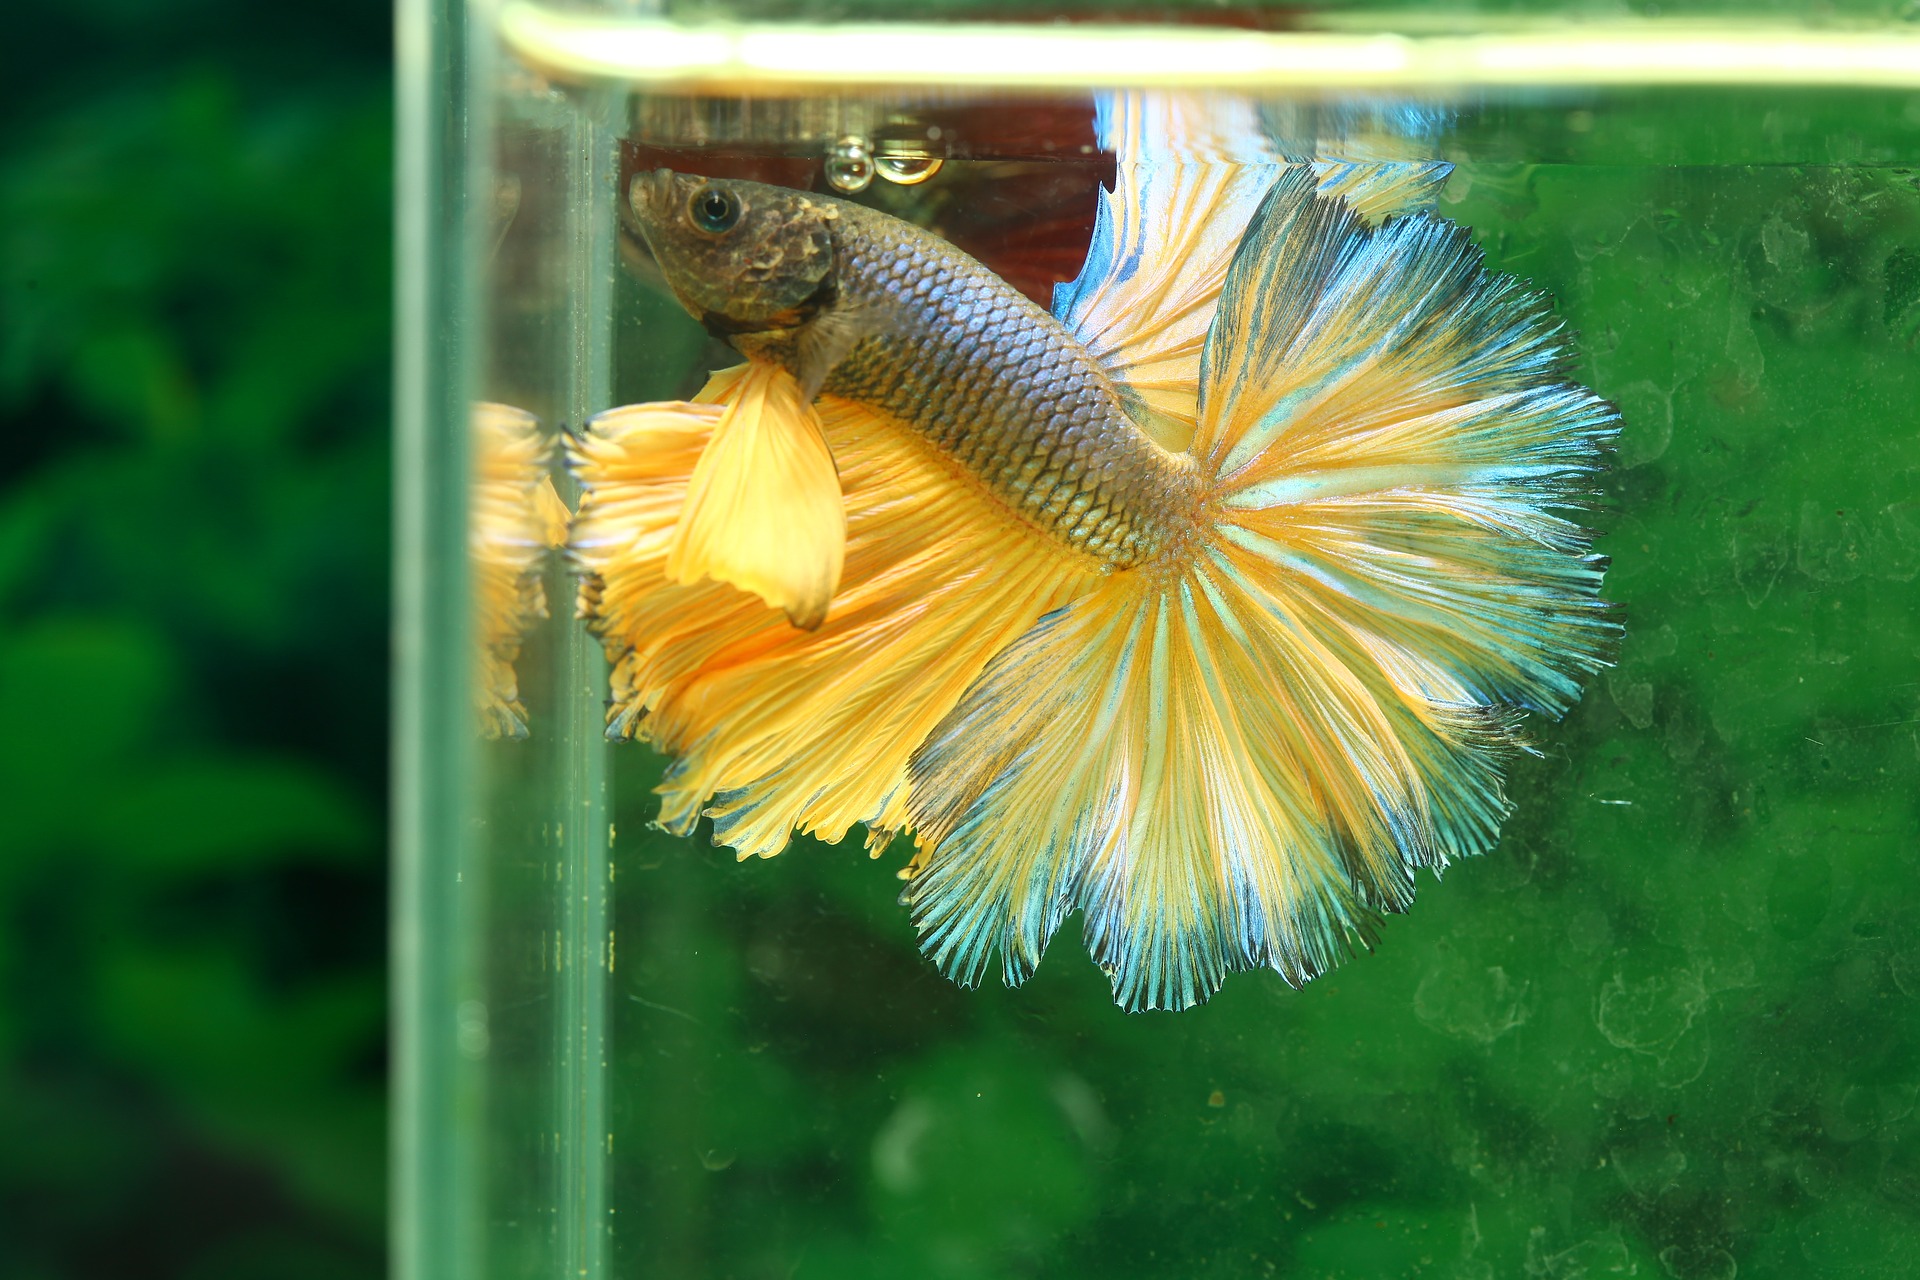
{"x":763,"y":511}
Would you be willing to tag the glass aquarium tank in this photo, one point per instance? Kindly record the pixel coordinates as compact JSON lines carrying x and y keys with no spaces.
{"x":1663,"y":1023}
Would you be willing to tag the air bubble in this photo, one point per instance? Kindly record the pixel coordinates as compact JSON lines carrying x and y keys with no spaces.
{"x":850,"y":164}
{"x":907,"y":169}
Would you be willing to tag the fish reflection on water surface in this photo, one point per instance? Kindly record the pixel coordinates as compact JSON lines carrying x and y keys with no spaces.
{"x":1204,"y":604}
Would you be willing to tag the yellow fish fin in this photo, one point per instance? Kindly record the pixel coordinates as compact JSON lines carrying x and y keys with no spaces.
{"x":763,"y":510}
{"x":551,"y":515}
{"x":510,"y":530}
{"x":1190,"y":170}
{"x":1200,"y":774}
{"x":784,"y":728}
{"x":1241,"y":759}
{"x":1395,"y":422}
{"x":1162,"y":240}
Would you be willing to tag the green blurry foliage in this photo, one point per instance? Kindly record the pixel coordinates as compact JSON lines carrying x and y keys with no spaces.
{"x":193,"y":376}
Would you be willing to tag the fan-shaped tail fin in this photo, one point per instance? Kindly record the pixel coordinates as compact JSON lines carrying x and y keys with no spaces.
{"x":1238,"y":760}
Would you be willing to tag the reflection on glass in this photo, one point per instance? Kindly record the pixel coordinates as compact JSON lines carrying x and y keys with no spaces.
{"x":516,"y":520}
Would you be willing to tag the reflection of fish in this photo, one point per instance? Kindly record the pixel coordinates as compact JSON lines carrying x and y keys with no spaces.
{"x":1202,"y":608}
{"x":514,"y":519}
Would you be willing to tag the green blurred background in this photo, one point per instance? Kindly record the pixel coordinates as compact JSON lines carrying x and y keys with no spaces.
{"x":194,"y":333}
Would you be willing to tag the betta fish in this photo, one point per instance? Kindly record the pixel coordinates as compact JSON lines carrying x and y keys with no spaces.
{"x":1204,"y":604}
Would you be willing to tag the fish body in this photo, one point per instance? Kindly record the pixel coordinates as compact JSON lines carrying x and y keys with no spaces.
{"x":1205,"y":606}
{"x":900,"y":320}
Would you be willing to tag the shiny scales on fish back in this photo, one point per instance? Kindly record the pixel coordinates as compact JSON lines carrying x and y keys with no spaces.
{"x":894,"y":318}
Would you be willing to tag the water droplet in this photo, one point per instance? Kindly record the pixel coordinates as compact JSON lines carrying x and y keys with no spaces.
{"x":907,"y":169}
{"x":850,"y":164}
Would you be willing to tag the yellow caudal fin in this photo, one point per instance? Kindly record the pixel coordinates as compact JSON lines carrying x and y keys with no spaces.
{"x":763,"y":510}
{"x":783,"y":728}
{"x":1190,"y":169}
{"x":1213,"y":790}
{"x":1240,"y":760}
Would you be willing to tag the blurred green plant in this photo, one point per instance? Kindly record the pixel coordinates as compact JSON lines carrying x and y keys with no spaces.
{"x":193,"y":378}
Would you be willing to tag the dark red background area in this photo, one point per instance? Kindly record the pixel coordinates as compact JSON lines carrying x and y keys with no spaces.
{"x":1018,"y":189}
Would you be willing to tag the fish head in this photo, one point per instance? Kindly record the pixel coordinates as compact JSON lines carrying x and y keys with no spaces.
{"x":742,"y":257}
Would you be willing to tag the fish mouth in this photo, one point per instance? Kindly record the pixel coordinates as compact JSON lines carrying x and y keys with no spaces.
{"x":649,"y":194}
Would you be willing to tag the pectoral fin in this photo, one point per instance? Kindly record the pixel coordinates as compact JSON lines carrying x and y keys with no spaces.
{"x":764,"y":511}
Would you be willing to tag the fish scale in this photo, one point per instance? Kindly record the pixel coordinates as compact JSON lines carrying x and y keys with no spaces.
{"x":997,"y":385}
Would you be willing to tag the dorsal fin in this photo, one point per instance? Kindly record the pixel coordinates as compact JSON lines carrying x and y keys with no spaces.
{"x":1190,"y":169}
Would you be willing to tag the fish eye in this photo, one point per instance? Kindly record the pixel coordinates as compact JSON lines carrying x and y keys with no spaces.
{"x":714,"y":211}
